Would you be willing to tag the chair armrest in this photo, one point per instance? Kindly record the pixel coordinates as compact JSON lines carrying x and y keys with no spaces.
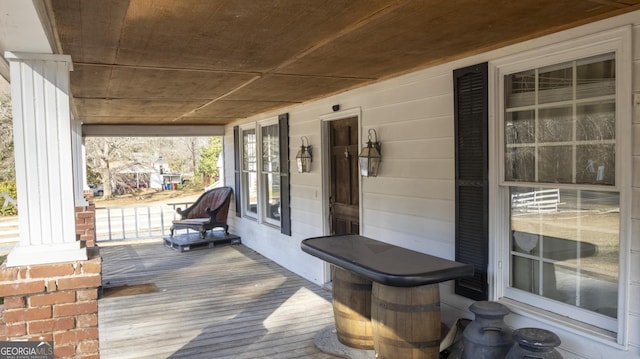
{"x":183,"y":214}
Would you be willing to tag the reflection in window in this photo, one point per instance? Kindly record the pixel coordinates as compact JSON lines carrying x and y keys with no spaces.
{"x":564,"y":246}
{"x":249,"y":174}
{"x":271,"y":173}
{"x":559,"y":169}
{"x":560,"y":128}
{"x":261,"y":172}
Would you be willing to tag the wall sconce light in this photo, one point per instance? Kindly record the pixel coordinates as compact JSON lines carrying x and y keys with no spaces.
{"x":303,"y":158}
{"x":370,"y":157}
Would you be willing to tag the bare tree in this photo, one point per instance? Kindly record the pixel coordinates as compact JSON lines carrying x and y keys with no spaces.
{"x":107,"y":156}
{"x":194,"y":149}
{"x":103,"y":152}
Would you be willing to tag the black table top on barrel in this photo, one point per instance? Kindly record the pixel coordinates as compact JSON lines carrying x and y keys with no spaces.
{"x":383,"y":262}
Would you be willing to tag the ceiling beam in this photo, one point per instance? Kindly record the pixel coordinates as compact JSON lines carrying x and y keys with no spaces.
{"x":151,"y":131}
{"x":186,"y":69}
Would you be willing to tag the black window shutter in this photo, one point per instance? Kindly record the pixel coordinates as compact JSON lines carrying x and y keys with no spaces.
{"x":285,"y":198}
{"x":470,"y":89}
{"x":236,"y":160}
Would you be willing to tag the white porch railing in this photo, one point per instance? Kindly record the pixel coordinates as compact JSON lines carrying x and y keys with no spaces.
{"x":541,"y":201}
{"x":113,"y":223}
{"x":133,"y":222}
{"x":9,"y":233}
{"x":8,"y":200}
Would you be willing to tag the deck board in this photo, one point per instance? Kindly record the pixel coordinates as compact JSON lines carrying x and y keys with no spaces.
{"x":222,"y":302}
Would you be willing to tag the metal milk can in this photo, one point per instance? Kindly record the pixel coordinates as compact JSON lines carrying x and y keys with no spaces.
{"x":487,"y":337}
{"x":534,"y":343}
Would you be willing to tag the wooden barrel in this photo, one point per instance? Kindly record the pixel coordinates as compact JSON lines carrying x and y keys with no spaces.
{"x":352,"y":309}
{"x":406,"y":321}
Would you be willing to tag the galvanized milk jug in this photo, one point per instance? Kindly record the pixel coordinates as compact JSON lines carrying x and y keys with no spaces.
{"x":487,"y":337}
{"x":534,"y":343}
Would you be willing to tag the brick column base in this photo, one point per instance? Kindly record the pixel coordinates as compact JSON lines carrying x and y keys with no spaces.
{"x":86,"y":220}
{"x":54,"y":302}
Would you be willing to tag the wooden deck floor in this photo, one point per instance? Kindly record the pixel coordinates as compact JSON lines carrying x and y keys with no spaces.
{"x":218,"y":303}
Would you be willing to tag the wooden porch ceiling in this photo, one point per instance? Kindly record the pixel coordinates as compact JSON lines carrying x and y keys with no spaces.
{"x":210,"y":62}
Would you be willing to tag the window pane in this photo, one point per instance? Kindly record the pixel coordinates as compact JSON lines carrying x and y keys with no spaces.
{"x":565,"y":130}
{"x":520,"y":127}
{"x":596,"y":121}
{"x":555,"y":83}
{"x":555,"y":125}
{"x":520,"y":89}
{"x":249,"y":150}
{"x":555,"y":164}
{"x":250,"y":184}
{"x":270,"y":149}
{"x":272,"y":195}
{"x":596,"y":76}
{"x":597,"y":164}
{"x":519,"y":164}
{"x":531,"y":277}
{"x":249,"y":175}
{"x":565,"y":246}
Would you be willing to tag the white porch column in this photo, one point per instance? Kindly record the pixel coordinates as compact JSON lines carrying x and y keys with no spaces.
{"x":79,"y":163}
{"x":43,"y":154}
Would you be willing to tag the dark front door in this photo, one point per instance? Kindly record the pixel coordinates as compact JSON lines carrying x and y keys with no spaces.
{"x":345,"y":210}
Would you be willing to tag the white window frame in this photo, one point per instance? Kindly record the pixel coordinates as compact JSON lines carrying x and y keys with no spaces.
{"x":617,"y":41}
{"x":261,"y":207}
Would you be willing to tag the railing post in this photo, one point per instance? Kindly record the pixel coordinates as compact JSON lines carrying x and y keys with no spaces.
{"x":162,"y":221}
{"x":124,"y":235}
{"x":109,"y":221}
{"x":135,"y":220}
{"x":149,"y":219}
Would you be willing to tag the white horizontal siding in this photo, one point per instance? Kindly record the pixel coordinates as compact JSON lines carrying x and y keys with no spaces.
{"x":424,"y":242}
{"x":383,"y":116}
{"x":420,"y":129}
{"x":419,"y":208}
{"x":436,"y":232}
{"x":434,"y":169}
{"x":439,"y":148}
{"x":430,"y":83}
{"x":412,"y":202}
{"x":414,"y":187}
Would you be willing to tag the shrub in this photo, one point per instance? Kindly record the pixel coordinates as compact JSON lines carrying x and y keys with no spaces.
{"x":8,"y":187}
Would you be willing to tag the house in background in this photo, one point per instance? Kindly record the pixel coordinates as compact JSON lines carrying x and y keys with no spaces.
{"x":133,"y":176}
{"x":470,"y":139}
{"x":162,"y":178}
